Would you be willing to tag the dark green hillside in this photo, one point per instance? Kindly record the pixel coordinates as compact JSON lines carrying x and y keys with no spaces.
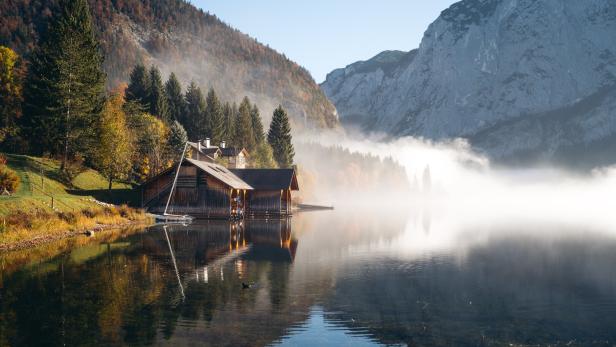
{"x":178,"y":37}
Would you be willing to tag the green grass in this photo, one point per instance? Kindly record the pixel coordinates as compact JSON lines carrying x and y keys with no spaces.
{"x":41,"y":180}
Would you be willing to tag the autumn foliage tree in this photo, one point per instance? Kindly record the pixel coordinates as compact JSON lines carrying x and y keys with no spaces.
{"x":115,"y":145}
{"x":11,"y":74}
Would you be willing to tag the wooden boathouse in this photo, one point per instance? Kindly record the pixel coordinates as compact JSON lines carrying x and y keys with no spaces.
{"x":208,"y":190}
{"x":271,"y":190}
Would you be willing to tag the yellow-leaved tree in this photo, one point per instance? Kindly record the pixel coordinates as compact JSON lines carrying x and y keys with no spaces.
{"x":113,"y":155}
{"x":11,"y":74}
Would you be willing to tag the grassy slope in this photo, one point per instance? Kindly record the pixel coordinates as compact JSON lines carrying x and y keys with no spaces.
{"x":36,"y":190}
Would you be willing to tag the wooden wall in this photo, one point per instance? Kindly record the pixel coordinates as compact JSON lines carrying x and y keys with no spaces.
{"x":269,"y":202}
{"x":203,"y":196}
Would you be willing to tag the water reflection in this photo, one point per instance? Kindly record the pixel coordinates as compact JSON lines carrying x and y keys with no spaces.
{"x":329,"y":278}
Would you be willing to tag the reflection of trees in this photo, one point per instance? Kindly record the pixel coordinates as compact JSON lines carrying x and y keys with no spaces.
{"x":129,"y":294}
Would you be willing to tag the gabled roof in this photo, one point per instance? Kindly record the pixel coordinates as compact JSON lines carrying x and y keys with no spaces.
{"x":221,"y":173}
{"x":232,"y":151}
{"x":268,"y":179}
{"x":205,"y":151}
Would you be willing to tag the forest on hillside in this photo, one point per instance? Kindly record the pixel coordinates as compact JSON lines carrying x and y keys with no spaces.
{"x":175,"y":35}
{"x":56,"y":105}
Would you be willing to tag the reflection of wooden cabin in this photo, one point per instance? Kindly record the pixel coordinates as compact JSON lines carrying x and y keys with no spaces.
{"x":208,"y":190}
{"x":271,"y":240}
{"x":271,"y":194}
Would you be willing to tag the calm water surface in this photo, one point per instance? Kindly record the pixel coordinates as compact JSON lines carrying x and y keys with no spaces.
{"x":322,"y":278}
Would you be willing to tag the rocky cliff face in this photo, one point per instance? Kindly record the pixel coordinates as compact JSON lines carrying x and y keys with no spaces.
{"x":197,"y":46}
{"x":520,"y":78}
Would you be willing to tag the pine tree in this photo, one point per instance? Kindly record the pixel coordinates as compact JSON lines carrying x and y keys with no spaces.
{"x":175,"y":99}
{"x":229,"y":123}
{"x":279,"y":137}
{"x":138,"y":87}
{"x":214,"y":117}
{"x":263,"y":156}
{"x":156,"y":96}
{"x":195,"y":109}
{"x":243,"y":126}
{"x":257,"y":125}
{"x":65,"y":89}
{"x":177,"y":138}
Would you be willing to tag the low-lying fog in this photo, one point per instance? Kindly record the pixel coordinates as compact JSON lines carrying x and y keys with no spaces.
{"x":450,"y":180}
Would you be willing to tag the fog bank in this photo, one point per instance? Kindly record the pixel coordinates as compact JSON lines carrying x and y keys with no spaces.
{"x":451,"y":178}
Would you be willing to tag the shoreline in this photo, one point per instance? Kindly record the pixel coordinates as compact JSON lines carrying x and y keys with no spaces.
{"x":45,"y":239}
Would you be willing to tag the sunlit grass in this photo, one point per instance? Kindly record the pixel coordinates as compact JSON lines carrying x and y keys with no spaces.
{"x":19,"y":226}
{"x":46,"y":205}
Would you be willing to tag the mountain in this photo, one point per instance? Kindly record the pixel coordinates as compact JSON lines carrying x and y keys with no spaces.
{"x":521,"y":79}
{"x":196,"y":45}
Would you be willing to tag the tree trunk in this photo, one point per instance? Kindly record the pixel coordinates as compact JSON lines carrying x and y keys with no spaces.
{"x":110,"y":181}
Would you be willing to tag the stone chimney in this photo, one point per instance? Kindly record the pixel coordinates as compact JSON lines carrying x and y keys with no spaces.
{"x":206,"y":143}
{"x":223,"y":144}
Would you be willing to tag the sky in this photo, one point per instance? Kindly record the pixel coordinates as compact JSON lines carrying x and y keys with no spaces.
{"x":323,"y":35}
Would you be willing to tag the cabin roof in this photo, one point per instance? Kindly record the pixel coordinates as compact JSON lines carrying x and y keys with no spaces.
{"x":268,"y":179}
{"x":233,"y":151}
{"x":206,"y":151}
{"x":221,"y":173}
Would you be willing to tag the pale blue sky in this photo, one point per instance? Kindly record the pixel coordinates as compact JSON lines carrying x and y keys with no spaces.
{"x":323,"y":35}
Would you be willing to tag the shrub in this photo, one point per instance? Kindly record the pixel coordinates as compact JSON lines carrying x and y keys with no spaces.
{"x":21,"y":219}
{"x":8,"y":180}
{"x":88,"y":213}
{"x":124,"y":211}
{"x":68,"y":217}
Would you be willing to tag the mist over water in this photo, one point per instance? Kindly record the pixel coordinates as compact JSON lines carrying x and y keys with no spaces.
{"x":450,"y":180}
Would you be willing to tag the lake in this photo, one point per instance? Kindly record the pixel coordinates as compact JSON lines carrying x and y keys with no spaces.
{"x":354,"y":278}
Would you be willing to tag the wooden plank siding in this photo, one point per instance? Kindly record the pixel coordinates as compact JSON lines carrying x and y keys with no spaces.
{"x":196,"y":194}
{"x":264,"y":203}
{"x":206,"y":190}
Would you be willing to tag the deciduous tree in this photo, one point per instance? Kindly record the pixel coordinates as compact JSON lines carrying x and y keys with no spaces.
{"x":10,"y":91}
{"x":114,"y":151}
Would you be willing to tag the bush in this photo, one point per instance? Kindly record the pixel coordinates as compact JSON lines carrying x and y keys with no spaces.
{"x":88,"y":213}
{"x":21,"y":219}
{"x":8,"y":180}
{"x":68,"y":217}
